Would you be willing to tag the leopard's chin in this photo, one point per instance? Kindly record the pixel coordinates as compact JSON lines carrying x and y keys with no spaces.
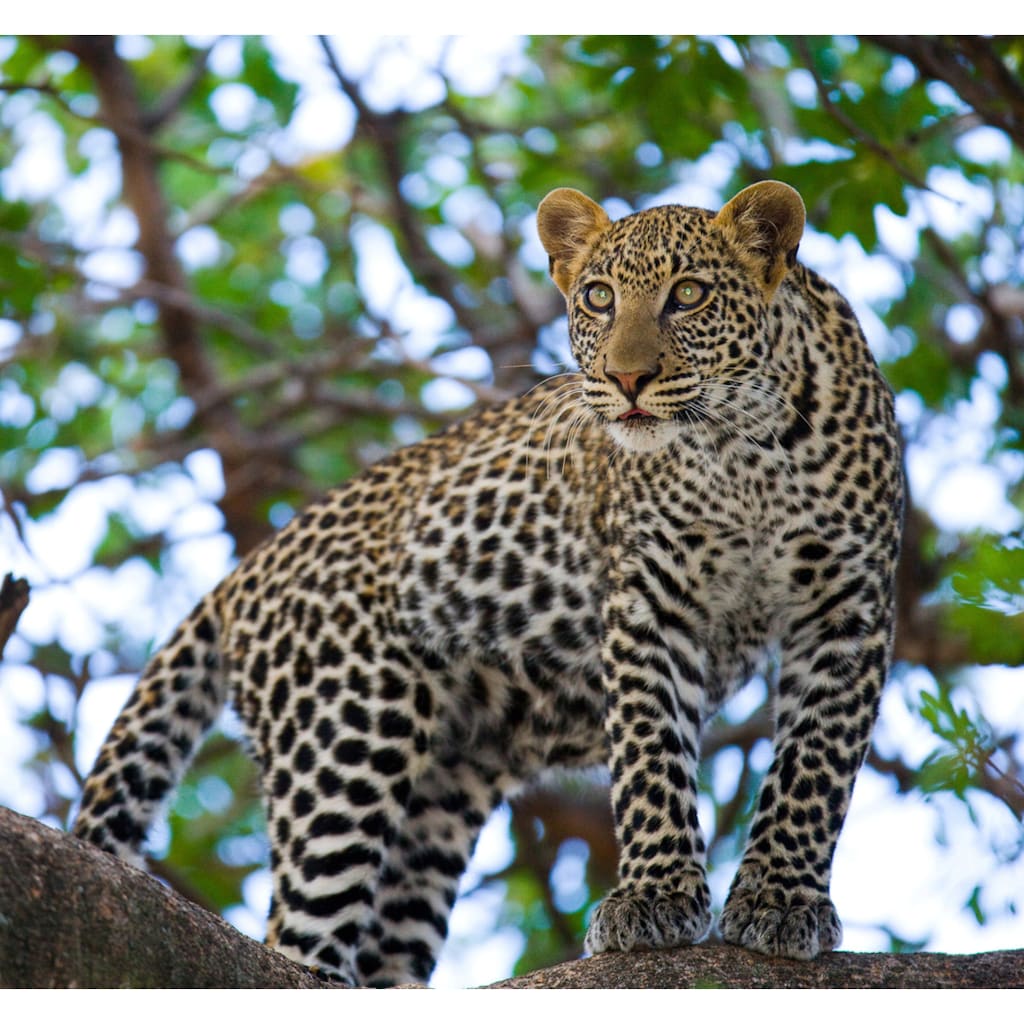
{"x":643,"y":433}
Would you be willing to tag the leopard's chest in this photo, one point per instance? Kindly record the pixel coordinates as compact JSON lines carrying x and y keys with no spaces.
{"x":705,"y":551}
{"x":507,"y":587}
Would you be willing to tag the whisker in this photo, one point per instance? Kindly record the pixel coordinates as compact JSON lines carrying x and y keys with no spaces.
{"x":697,"y":419}
{"x":551,"y":410}
{"x":716,"y":410}
{"x":764,"y":392}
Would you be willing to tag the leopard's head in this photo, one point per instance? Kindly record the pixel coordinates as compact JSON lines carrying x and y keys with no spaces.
{"x":668,"y":307}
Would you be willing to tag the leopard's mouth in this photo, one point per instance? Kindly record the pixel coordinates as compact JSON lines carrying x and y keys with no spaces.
{"x":641,"y":431}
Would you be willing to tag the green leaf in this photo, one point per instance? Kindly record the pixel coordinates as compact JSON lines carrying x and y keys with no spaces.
{"x":926,"y":369}
{"x":973,"y":904}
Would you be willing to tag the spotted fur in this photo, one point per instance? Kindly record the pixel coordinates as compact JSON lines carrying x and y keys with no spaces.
{"x":578,"y":577}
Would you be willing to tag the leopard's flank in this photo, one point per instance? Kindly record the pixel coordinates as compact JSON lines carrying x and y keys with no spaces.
{"x":578,"y":577}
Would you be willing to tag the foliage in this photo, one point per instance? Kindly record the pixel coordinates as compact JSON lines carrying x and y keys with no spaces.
{"x":234,"y":271}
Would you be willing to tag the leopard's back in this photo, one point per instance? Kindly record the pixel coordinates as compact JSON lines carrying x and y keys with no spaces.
{"x":470,"y":562}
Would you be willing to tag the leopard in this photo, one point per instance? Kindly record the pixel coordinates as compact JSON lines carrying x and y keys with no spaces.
{"x":578,"y":578}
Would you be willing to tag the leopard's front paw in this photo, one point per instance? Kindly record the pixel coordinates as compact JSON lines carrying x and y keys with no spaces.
{"x":650,"y":917}
{"x":780,"y":923}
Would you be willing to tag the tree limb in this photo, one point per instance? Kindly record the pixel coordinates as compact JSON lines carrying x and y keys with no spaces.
{"x":172,"y":100}
{"x":863,"y":138}
{"x":180,"y":328}
{"x":511,"y":345}
{"x":120,"y":104}
{"x":72,"y":916}
{"x":973,"y":68}
{"x":13,"y":601}
{"x":714,"y":966}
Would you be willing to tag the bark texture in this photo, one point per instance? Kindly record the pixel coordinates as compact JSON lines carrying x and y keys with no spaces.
{"x":719,"y":966}
{"x":74,"y":917}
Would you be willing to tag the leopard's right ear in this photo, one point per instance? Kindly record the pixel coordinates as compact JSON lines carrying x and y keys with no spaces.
{"x":568,"y":223}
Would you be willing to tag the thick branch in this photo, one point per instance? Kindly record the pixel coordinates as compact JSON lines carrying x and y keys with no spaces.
{"x":180,"y":328}
{"x":713,"y":966}
{"x":123,"y":111}
{"x":74,"y":917}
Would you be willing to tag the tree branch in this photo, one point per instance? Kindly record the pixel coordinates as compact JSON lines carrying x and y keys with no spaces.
{"x":971,"y":66}
{"x":180,"y":328}
{"x":172,"y":100}
{"x":384,"y":131}
{"x":512,"y":344}
{"x":122,"y":109}
{"x":72,"y":916}
{"x":13,"y":601}
{"x":857,"y":134}
{"x":714,"y":966}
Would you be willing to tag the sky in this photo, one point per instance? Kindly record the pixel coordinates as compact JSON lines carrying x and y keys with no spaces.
{"x":895,"y":855}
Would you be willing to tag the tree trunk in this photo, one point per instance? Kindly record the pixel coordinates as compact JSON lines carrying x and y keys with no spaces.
{"x":74,"y":917}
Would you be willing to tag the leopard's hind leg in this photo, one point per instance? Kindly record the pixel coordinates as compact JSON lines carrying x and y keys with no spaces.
{"x":448,"y":807}
{"x":332,"y":817}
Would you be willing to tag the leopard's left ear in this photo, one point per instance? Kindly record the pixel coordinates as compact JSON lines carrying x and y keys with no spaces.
{"x":767,"y":222}
{"x":568,"y":223}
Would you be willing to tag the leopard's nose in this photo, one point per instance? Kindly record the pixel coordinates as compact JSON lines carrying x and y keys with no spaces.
{"x":632,"y":382}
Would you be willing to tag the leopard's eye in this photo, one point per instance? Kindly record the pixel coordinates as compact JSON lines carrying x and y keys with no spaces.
{"x":687,"y":294}
{"x":599,"y":297}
